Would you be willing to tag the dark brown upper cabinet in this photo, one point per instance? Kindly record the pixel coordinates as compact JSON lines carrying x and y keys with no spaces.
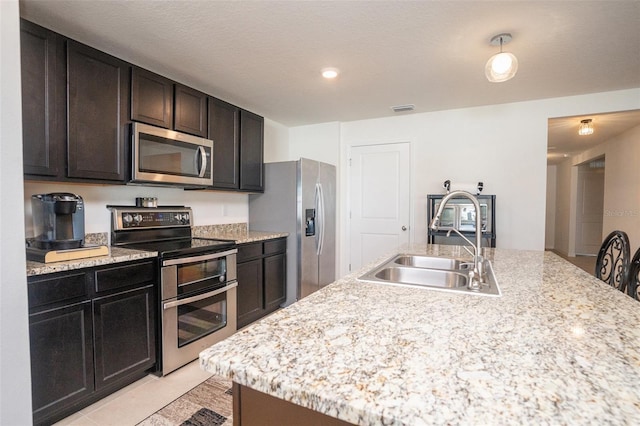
{"x":224,"y":120}
{"x":97,"y":93}
{"x":251,"y":152}
{"x":190,"y":112}
{"x":43,"y":101}
{"x":151,"y":98}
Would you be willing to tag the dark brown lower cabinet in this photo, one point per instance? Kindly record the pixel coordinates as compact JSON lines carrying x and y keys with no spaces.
{"x":61,"y":358}
{"x":124,"y":320}
{"x":251,"y":407}
{"x":250,"y":292}
{"x":262,"y":279}
{"x":92,"y":331}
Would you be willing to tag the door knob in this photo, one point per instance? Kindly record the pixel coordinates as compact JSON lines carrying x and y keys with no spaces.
{"x":404,"y":228}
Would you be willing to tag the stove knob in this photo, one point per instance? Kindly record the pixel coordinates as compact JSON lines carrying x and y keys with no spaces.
{"x":185,"y":218}
{"x":127,"y":218}
{"x":138,"y":218}
{"x":179,"y":217}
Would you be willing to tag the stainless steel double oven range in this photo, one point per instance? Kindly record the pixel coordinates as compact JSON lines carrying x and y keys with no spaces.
{"x":197,"y":291}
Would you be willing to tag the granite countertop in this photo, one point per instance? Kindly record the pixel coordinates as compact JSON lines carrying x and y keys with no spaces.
{"x":559,"y":347}
{"x":237,"y":232}
{"x":239,"y":235}
{"x":116,"y":255}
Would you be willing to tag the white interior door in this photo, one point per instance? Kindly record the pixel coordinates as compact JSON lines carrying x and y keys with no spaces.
{"x":589,"y":210}
{"x":379,"y":194}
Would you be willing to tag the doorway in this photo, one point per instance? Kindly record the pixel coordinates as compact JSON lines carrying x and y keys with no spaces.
{"x":589,"y":207}
{"x":379,"y":200}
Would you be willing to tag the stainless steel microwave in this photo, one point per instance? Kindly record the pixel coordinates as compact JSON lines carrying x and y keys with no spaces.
{"x":461,"y":215}
{"x":166,"y":157}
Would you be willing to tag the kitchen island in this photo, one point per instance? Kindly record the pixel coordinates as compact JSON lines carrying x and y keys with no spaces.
{"x":558,"y":347}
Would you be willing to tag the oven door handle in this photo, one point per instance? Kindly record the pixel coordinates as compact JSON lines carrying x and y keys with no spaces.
{"x":170,"y":305}
{"x":183,"y":260}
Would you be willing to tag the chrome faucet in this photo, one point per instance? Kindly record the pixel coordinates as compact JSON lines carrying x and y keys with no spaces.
{"x":476,"y":276}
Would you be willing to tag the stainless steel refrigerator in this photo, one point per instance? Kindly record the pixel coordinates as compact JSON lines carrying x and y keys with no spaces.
{"x":300,"y":198}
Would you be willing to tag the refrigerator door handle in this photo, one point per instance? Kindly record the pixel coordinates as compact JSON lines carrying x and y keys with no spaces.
{"x":318,"y":217}
{"x":321,"y":217}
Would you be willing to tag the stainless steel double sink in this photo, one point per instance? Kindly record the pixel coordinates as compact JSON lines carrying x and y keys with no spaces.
{"x":432,"y":272}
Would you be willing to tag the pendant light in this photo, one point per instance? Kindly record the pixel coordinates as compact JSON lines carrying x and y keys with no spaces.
{"x":501,"y":66}
{"x":586,"y":127}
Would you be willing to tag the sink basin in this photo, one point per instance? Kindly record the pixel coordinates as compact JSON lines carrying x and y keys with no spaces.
{"x":434,"y":273}
{"x":420,"y":276}
{"x":433,"y":262}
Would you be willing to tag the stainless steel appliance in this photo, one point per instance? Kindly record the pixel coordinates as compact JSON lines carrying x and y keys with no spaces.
{"x":300,"y":198}
{"x":197,"y":300}
{"x":58,"y":221}
{"x":166,"y":157}
{"x":460,"y":214}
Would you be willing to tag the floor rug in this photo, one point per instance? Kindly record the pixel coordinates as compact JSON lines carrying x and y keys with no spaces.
{"x":210,"y":403}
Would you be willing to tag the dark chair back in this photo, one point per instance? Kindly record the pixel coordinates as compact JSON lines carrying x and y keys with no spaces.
{"x":612,"y":265}
{"x":633,"y":283}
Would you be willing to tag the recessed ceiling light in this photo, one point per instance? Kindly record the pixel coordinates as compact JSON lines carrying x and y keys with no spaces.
{"x":330,"y":73}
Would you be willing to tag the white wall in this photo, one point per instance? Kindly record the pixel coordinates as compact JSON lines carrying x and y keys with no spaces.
{"x":320,"y":142}
{"x":622,"y":186}
{"x":209,"y":207}
{"x":15,"y":373}
{"x":276,"y":142}
{"x":502,"y":145}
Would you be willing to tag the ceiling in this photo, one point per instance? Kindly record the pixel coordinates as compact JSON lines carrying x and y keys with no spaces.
{"x":266,"y":56}
{"x":564,"y":141}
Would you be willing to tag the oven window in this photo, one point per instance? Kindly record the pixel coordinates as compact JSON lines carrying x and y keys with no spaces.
{"x":198,"y":275}
{"x":197,"y":319}
{"x":166,"y":156}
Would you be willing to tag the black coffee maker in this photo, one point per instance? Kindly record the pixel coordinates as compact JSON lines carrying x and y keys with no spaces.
{"x":58,"y":221}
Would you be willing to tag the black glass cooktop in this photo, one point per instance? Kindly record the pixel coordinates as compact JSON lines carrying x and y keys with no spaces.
{"x":180,"y":248}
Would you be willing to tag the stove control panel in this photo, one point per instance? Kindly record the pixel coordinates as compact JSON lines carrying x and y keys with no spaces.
{"x":159,"y":217}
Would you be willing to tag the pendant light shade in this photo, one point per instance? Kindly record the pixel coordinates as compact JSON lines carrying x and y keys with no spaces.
{"x":501,"y":66}
{"x":586,"y":127}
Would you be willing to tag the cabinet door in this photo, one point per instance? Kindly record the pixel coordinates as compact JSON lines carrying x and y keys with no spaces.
{"x":250,"y":292}
{"x":151,"y":98}
{"x":223,"y":130}
{"x":124,"y":326}
{"x":251,"y":152}
{"x":61,"y":358}
{"x":98,"y":90}
{"x":275,"y":272}
{"x":190,"y":114}
{"x":43,"y":100}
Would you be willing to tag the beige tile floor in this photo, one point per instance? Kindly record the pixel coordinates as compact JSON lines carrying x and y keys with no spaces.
{"x":139,"y":400}
{"x":586,"y":263}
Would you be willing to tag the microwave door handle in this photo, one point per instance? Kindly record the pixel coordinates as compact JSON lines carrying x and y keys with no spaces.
{"x":201,"y":153}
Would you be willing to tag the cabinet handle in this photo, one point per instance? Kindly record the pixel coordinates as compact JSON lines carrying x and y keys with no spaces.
{"x":404,"y":228}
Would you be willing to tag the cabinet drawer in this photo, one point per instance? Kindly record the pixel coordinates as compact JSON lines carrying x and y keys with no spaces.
{"x":275,"y":246}
{"x":124,"y":276}
{"x":249,"y":251}
{"x":60,"y":288}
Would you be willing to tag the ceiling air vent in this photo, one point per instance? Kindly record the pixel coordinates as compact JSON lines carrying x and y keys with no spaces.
{"x":403,"y":108}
